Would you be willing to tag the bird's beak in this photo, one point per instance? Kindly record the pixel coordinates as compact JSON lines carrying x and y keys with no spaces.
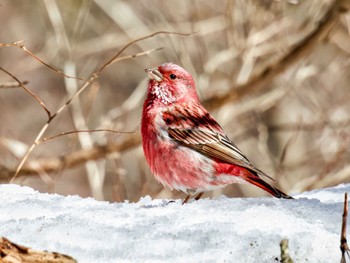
{"x":154,"y":74}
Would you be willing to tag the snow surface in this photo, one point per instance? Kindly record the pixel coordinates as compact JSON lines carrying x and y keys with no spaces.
{"x":209,"y":230}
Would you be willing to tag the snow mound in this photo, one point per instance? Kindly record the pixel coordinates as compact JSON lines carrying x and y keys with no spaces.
{"x":216,"y":230}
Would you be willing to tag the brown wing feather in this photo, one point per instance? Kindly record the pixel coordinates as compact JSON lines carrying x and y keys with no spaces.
{"x":197,"y":130}
{"x":213,"y":145}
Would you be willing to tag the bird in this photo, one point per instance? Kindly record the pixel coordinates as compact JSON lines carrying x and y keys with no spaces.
{"x":184,"y":146}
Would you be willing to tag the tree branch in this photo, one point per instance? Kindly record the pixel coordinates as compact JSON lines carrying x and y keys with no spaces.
{"x":73,"y":159}
{"x":344,"y":248}
{"x":300,"y":50}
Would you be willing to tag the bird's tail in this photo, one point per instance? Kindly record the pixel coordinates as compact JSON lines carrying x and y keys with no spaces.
{"x":256,"y":180}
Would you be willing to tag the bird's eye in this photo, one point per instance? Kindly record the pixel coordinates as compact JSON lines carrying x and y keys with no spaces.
{"x":172,"y":76}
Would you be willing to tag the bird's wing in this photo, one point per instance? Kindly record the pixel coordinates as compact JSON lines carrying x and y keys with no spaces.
{"x":196,"y":129}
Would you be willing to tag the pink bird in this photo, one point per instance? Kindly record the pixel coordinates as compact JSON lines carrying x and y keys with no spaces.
{"x":186,"y":149}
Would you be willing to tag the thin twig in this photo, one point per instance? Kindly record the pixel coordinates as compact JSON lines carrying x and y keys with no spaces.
{"x":20,"y":45}
{"x":80,"y":131}
{"x":344,"y":248}
{"x":136,"y":55}
{"x":113,"y":59}
{"x":23,"y":86}
{"x":10,"y":85}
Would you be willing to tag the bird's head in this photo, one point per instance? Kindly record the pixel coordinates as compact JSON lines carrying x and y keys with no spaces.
{"x":170,"y":83}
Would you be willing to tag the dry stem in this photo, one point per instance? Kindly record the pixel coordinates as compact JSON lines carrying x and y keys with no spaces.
{"x":343,"y":242}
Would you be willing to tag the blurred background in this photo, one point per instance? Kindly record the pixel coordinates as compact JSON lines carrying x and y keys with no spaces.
{"x":295,"y":126}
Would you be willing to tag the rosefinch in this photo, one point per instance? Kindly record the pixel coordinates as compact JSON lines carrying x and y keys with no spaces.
{"x":185,"y":147}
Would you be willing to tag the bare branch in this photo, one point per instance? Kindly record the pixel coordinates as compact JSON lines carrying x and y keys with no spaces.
{"x":136,"y":55}
{"x":10,"y":85}
{"x":21,"y":84}
{"x":112,"y":60}
{"x":73,"y":132}
{"x":343,"y":241}
{"x":20,"y":45}
{"x":300,"y":50}
{"x":73,"y":159}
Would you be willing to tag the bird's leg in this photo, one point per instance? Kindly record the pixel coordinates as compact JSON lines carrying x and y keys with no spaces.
{"x":186,"y":199}
{"x":196,"y":198}
{"x":199,"y":196}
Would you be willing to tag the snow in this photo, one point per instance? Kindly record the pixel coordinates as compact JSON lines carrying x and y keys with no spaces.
{"x":209,"y":230}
